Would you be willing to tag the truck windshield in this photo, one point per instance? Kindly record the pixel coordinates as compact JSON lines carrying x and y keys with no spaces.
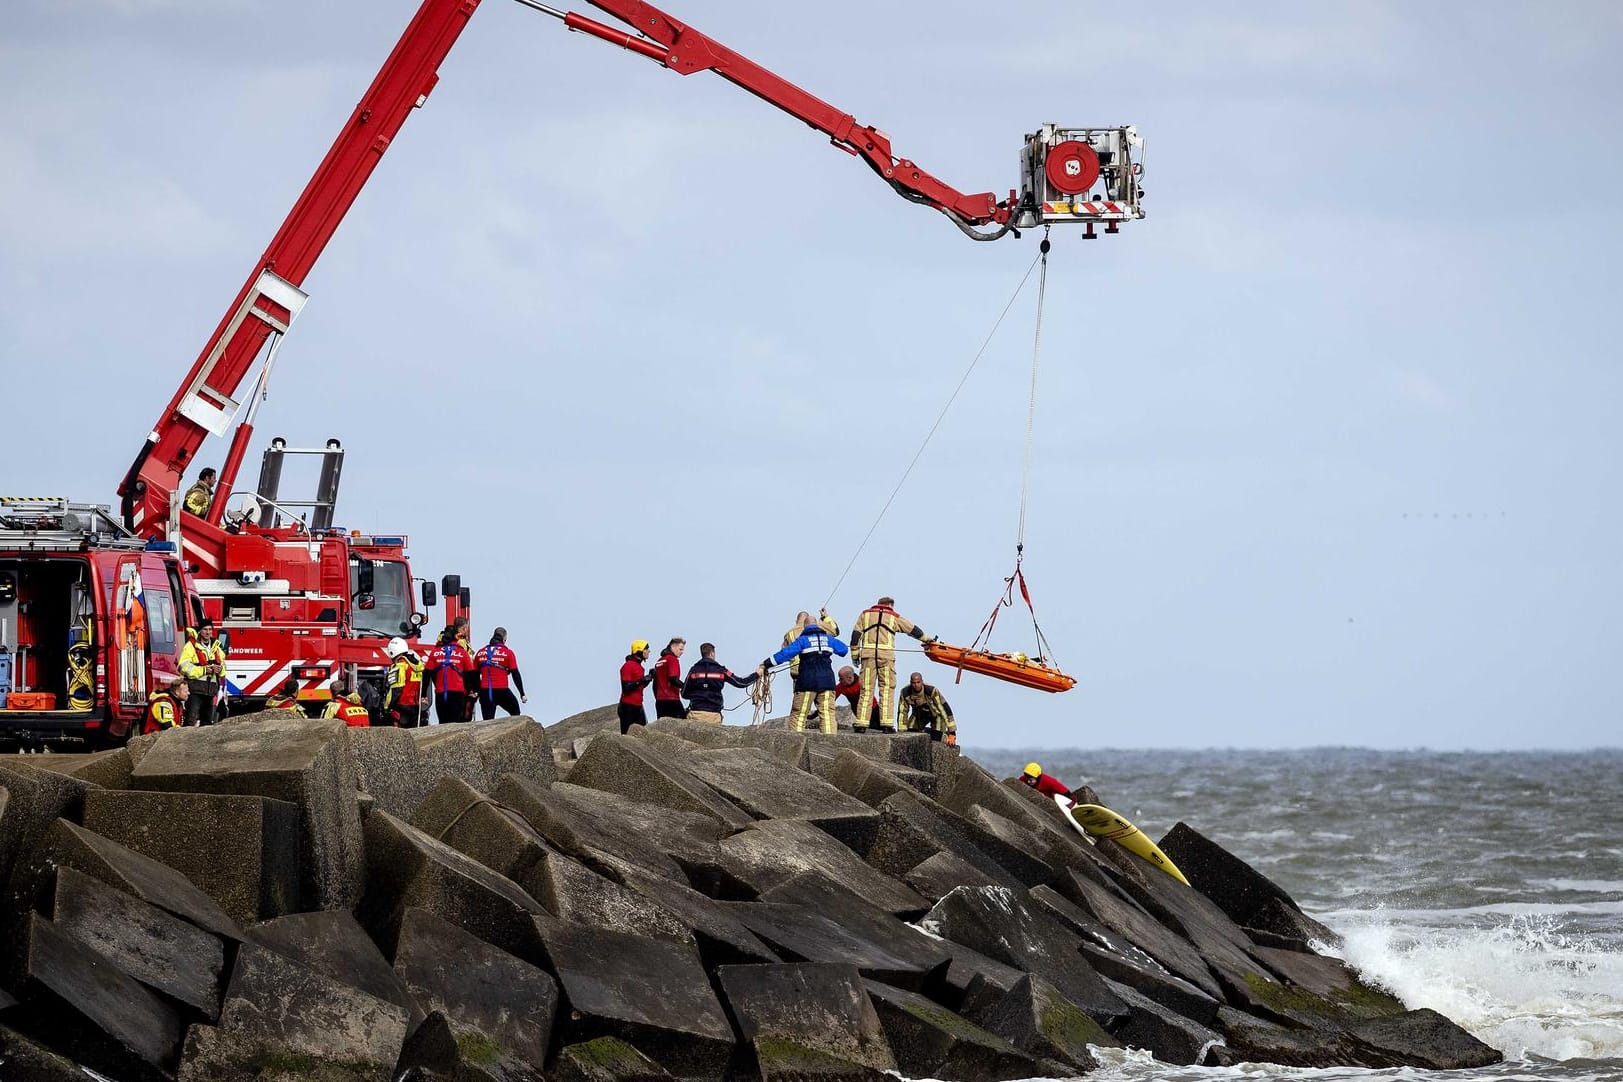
{"x":391,"y":592}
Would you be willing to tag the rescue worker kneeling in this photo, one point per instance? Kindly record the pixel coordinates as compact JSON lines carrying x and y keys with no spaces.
{"x":928,"y":710}
{"x":166,"y":707}
{"x":815,"y":681}
{"x":346,"y":706}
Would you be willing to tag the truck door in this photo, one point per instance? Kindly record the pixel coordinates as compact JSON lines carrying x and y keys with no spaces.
{"x":130,"y":634}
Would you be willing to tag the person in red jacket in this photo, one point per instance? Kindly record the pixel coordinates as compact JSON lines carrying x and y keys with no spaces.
{"x":1046,"y":784}
{"x":449,"y":666}
{"x":633,"y":678}
{"x":497,"y":666}
{"x":668,"y":681}
{"x":849,"y":688}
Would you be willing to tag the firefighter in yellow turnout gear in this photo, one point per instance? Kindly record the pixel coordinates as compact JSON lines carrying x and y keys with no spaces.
{"x":202,"y":663}
{"x":927,"y":711}
{"x":873,"y":647}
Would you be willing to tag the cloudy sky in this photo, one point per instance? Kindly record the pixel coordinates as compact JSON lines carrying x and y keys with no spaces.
{"x":1327,"y":448}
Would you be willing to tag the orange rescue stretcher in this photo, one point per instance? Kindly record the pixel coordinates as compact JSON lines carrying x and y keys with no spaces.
{"x":1014,"y":668}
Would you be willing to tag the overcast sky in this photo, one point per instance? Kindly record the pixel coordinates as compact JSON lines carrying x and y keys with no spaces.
{"x":1327,"y":448}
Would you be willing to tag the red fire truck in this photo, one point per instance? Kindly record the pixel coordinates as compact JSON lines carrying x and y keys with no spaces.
{"x":294,"y":594}
{"x":92,"y":617}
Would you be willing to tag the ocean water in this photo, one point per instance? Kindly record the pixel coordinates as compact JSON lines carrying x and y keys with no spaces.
{"x":1488,"y":887}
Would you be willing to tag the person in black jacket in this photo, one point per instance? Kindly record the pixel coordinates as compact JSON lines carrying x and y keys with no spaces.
{"x":704,"y":683}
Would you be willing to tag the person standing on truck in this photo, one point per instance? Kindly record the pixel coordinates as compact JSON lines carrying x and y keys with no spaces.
{"x":403,"y":706}
{"x":450,"y":668}
{"x":202,"y":661}
{"x":200,"y":496}
{"x":633,"y":679}
{"x":165,"y":707}
{"x":498,"y":665}
{"x":873,"y":648}
{"x":704,"y":683}
{"x":668,"y":681}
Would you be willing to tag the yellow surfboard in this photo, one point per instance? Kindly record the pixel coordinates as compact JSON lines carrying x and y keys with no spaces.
{"x":1101,"y":822}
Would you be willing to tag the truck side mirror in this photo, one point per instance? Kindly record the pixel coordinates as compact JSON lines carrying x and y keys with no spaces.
{"x":365,"y":602}
{"x":430,"y":597}
{"x":365,"y":578}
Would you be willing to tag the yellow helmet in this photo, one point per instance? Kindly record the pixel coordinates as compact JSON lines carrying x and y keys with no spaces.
{"x":639,"y":645}
{"x":1034,"y":770}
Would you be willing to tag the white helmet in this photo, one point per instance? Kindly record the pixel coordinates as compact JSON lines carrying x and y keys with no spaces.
{"x":396,"y":647}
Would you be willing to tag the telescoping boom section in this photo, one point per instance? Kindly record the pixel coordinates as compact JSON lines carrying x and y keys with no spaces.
{"x":1085,"y":176}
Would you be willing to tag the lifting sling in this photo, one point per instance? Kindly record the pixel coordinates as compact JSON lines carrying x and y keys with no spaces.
{"x":1016,"y":668}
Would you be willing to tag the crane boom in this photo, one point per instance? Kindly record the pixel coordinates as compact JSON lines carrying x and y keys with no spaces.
{"x":1059,"y":171}
{"x":205,"y":402}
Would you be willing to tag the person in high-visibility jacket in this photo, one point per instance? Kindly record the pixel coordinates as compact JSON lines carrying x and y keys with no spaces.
{"x":165,"y":707}
{"x":346,"y":705}
{"x":498,"y":666}
{"x":286,"y":697}
{"x":873,"y":648}
{"x":450,"y":668}
{"x":815,"y":682}
{"x":202,"y":663}
{"x":200,"y":496}
{"x":928,"y":710}
{"x":403,"y":705}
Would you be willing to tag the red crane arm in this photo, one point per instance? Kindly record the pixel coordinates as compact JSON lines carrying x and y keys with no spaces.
{"x":685,"y":50}
{"x":205,"y":401}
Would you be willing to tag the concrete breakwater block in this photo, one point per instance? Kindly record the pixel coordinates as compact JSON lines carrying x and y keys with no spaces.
{"x":788,"y":748}
{"x":516,"y":745}
{"x":913,"y":827}
{"x":756,"y":782}
{"x":31,"y":801}
{"x":90,"y":1011}
{"x":1037,"y":1019}
{"x":306,"y":762}
{"x":807,"y":1021}
{"x":1006,"y":927}
{"x":242,"y":851}
{"x":71,"y":846}
{"x":606,"y":1059}
{"x":161,"y":951}
{"x":929,"y":1041}
{"x":501,"y":840}
{"x":1139,"y":928}
{"x":869,"y":780}
{"x":636,"y":771}
{"x":652,"y":994}
{"x":587,"y":829}
{"x":938,"y":875}
{"x":407,"y":868}
{"x":802,"y":934}
{"x":500,"y":1010}
{"x":282,"y":1017}
{"x":1248,"y":897}
{"x":1176,"y":1039}
{"x":334,"y":945}
{"x":721,"y":937}
{"x":774,"y":851}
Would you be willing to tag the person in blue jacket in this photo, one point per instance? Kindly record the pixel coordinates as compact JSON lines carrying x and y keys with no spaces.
{"x":814,"y":683}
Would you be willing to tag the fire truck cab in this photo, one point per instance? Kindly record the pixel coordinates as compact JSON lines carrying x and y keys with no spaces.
{"x":92,"y":618}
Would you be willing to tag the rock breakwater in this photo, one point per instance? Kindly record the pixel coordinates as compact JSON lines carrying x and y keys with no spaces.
{"x":282,"y":898}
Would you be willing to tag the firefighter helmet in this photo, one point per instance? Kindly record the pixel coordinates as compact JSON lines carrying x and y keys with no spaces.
{"x":395,"y":648}
{"x":1034,"y":770}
